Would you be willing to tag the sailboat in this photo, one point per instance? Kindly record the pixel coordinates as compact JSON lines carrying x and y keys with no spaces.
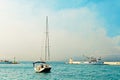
{"x":42,"y":66}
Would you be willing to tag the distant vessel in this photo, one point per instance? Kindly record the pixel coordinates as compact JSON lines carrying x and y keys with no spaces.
{"x":91,"y":60}
{"x":95,"y":61}
{"x":8,"y":62}
{"x":5,"y":62}
{"x":42,"y":66}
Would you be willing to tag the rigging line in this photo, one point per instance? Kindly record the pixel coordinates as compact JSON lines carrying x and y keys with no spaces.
{"x":48,"y":50}
{"x":47,"y":54}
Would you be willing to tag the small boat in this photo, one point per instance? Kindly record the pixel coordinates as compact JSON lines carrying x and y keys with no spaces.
{"x":5,"y":62}
{"x":43,"y":66}
{"x":2,"y":61}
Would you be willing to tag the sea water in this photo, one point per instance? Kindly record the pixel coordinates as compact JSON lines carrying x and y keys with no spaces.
{"x":59,"y":71}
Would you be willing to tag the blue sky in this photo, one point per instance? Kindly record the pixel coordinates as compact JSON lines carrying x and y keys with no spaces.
{"x":105,"y":9}
{"x":77,"y":27}
{"x":109,"y":11}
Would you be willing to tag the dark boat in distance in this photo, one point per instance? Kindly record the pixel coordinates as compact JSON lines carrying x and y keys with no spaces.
{"x":5,"y":62}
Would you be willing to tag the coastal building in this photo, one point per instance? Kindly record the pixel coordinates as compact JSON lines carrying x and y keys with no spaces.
{"x":112,"y":63}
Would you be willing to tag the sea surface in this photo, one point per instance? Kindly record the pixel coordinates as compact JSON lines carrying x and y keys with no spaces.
{"x":59,"y":71}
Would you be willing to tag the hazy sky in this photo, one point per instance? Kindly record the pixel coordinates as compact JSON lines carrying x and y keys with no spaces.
{"x":77,"y":27}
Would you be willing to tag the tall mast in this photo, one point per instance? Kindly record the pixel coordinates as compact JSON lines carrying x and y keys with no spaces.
{"x":47,"y":52}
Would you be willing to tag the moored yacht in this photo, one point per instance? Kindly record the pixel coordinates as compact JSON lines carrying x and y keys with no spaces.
{"x":43,"y":66}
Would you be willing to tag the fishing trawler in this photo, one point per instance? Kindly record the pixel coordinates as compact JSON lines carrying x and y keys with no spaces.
{"x":43,"y":66}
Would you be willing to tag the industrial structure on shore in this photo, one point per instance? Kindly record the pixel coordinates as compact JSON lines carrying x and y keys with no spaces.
{"x":93,"y":61}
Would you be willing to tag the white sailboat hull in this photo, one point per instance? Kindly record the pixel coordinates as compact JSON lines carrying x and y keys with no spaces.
{"x":46,"y":68}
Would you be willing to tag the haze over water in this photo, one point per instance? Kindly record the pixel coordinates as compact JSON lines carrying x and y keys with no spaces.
{"x":76,"y":27}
